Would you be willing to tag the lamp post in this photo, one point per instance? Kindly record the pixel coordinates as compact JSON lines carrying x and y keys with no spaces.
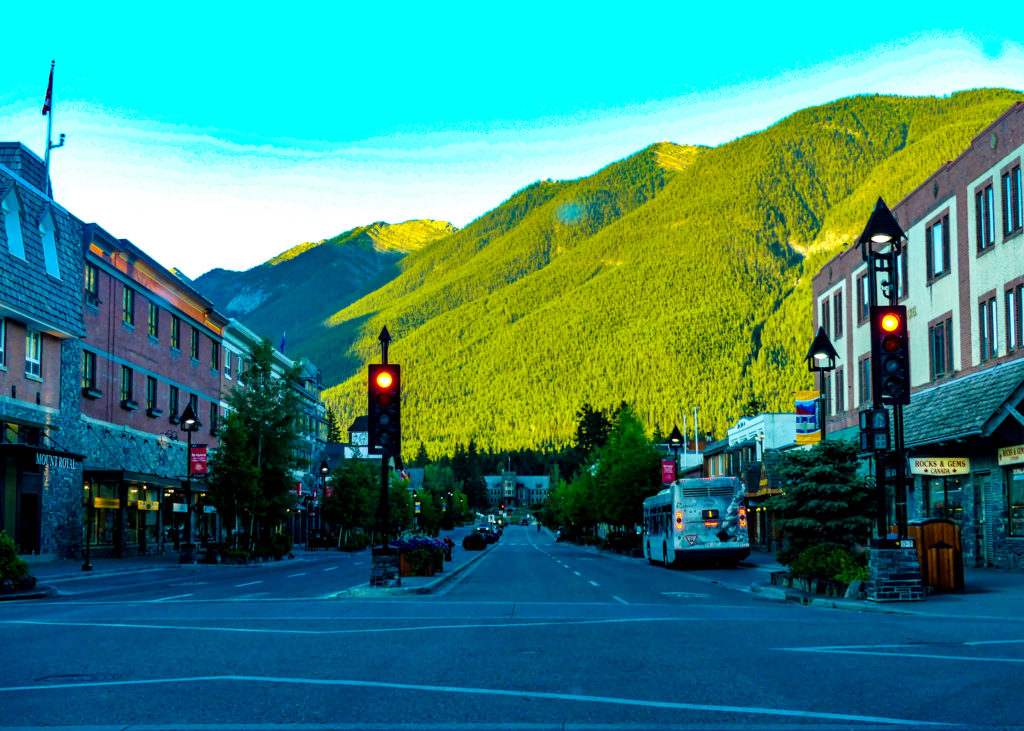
{"x":821,"y":358}
{"x":87,"y":566}
{"x":883,"y":230}
{"x":324,"y":470}
{"x":189,"y":424}
{"x":675,"y":440}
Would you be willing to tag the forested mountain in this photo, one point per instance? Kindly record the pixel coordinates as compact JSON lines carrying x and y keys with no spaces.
{"x":674,"y":279}
{"x":298,"y":289}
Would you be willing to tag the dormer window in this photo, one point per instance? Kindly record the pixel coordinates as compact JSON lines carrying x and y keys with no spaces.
{"x":48,"y":233}
{"x":10,"y":211}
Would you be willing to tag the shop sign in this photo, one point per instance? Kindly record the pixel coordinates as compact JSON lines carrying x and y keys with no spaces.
{"x":209,"y":508}
{"x":179,"y":507}
{"x":54,"y":460}
{"x":1011,"y":455}
{"x":940,"y":466}
{"x":106,"y":502}
{"x":149,"y":504}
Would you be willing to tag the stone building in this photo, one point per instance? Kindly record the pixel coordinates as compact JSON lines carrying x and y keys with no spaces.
{"x":961,"y":277}
{"x":40,"y":353}
{"x":512,"y":490}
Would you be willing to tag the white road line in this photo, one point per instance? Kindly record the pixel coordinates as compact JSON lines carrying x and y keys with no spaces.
{"x":926,"y":656}
{"x":594,"y":583}
{"x":577,"y":573}
{"x":620,"y":600}
{"x":687,"y":594}
{"x":332,"y":568}
{"x":292,"y":576}
{"x":168,"y":598}
{"x":505,"y":692}
{"x":250,"y":583}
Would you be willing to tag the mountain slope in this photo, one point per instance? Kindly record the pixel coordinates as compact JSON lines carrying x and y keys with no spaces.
{"x":296,"y":290}
{"x":696,"y":296}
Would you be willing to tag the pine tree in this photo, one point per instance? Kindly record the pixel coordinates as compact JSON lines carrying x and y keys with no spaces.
{"x":333,"y":429}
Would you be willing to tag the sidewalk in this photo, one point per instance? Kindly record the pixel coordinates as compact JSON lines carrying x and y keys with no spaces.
{"x":988,"y":594}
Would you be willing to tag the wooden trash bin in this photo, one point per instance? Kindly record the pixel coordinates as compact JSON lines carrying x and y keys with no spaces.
{"x":939,"y":552}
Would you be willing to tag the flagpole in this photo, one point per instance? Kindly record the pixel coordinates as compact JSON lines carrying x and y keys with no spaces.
{"x":49,"y":130}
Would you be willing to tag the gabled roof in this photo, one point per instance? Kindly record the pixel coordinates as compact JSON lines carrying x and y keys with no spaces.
{"x":964,"y":407}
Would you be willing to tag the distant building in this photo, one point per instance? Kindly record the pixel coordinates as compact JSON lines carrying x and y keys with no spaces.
{"x":512,"y":490}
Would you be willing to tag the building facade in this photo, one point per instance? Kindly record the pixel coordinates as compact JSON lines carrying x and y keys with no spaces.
{"x":511,"y":490}
{"x":40,"y":350}
{"x":961,"y":277}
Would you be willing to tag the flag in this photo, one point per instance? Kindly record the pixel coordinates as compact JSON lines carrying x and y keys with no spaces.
{"x":808,"y":431}
{"x":48,"y":101}
{"x":283,"y":333}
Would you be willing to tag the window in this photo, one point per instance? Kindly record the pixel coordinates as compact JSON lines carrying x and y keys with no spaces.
{"x":128,"y":306}
{"x":150,"y":392}
{"x":48,"y":234}
{"x":1013,"y":216}
{"x":241,"y":369}
{"x":33,"y":354}
{"x":988,"y":335}
{"x":88,"y":370}
{"x":175,"y":332}
{"x":227,"y":363}
{"x":825,"y":318}
{"x":940,"y":345}
{"x":214,"y":413}
{"x":837,"y":314}
{"x":1014,"y":319}
{"x":1015,"y":500}
{"x":92,"y":283}
{"x":3,"y":342}
{"x":937,"y":248}
{"x":214,"y":355}
{"x":172,"y":401}
{"x":840,"y":392}
{"x":194,"y":400}
{"x":10,"y":210}
{"x":826,"y":398}
{"x":195,"y":344}
{"x":127,"y":378}
{"x":864,"y":380}
{"x":984,"y":217}
{"x":154,"y":321}
{"x":902,"y":276}
{"x":863,"y":298}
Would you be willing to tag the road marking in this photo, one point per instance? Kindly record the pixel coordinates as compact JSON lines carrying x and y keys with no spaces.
{"x":292,"y":576}
{"x":687,"y":594}
{"x":168,"y":598}
{"x":577,"y":573}
{"x":594,"y":583}
{"x":620,"y":600}
{"x":332,"y":568}
{"x":875,"y":651}
{"x":250,"y":583}
{"x":504,"y":692}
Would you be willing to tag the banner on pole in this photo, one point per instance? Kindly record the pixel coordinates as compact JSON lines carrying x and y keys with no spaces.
{"x":808,"y":431}
{"x":197,"y":460}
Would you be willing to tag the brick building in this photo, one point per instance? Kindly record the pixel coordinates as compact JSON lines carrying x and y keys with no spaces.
{"x":152,"y":345}
{"x":961,"y":277}
{"x":40,"y":326}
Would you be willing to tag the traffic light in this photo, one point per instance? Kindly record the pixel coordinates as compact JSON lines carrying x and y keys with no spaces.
{"x":874,"y":430}
{"x":384,"y":411}
{"x":890,"y":355}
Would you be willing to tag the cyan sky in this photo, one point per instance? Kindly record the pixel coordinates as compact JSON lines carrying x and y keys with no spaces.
{"x":220,"y":135}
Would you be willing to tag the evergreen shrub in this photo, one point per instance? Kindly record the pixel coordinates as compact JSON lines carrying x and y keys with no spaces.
{"x":826,"y":562}
{"x":12,"y":568}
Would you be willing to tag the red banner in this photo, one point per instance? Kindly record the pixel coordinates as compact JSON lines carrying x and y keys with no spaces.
{"x":668,"y":471}
{"x":197,"y":460}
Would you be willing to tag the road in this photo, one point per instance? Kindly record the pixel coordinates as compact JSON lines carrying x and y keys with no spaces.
{"x":536,"y":634}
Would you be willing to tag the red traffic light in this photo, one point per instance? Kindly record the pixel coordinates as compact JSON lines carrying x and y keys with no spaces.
{"x":890,"y":322}
{"x":385,"y":379}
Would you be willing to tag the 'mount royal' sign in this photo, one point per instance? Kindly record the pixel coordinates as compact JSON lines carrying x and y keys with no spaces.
{"x":55,"y":460}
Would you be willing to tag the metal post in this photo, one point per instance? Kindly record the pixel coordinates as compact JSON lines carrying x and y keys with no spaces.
{"x":188,"y":492}
{"x":87,"y":566}
{"x":385,"y":513}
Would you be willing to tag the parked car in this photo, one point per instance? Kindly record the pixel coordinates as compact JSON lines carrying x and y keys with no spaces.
{"x":322,"y":538}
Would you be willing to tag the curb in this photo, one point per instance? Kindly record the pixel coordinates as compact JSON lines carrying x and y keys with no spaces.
{"x":810,"y":600}
{"x":428,"y":588}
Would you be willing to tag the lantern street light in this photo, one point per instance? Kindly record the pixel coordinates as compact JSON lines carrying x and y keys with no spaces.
{"x":821,"y":357}
{"x":675,"y":441}
{"x":189,"y":424}
{"x":324,"y":471}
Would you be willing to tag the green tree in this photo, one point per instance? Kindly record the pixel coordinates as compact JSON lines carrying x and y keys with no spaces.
{"x":824,"y":502}
{"x":351,"y":503}
{"x":422,"y":459}
{"x":629,"y":471}
{"x":592,"y":427}
{"x":258,"y":449}
{"x":334,"y":435}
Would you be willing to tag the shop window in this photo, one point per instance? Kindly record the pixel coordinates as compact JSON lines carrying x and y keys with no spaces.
{"x":943,"y":498}
{"x":1015,"y":500}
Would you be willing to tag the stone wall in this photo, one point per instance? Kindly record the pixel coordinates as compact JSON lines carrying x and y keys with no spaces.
{"x":894,"y":575}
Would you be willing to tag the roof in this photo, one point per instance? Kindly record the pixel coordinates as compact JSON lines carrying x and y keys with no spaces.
{"x":361,"y":424}
{"x":964,"y":407}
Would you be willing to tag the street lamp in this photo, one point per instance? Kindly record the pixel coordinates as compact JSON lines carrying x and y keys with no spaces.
{"x":189,"y":423}
{"x":324,"y":470}
{"x":675,"y":440}
{"x":821,"y":358}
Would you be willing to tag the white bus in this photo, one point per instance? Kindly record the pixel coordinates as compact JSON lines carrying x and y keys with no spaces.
{"x":697,"y":519}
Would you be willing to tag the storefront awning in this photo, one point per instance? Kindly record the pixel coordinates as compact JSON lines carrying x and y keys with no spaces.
{"x":974,"y":405}
{"x":118,"y":476}
{"x":27,"y":454}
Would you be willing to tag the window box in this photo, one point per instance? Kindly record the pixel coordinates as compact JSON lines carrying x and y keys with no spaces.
{"x":92,"y":392}
{"x":174,"y":418}
{"x":154,"y":412}
{"x":129,"y":404}
{"x":92,"y":299}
